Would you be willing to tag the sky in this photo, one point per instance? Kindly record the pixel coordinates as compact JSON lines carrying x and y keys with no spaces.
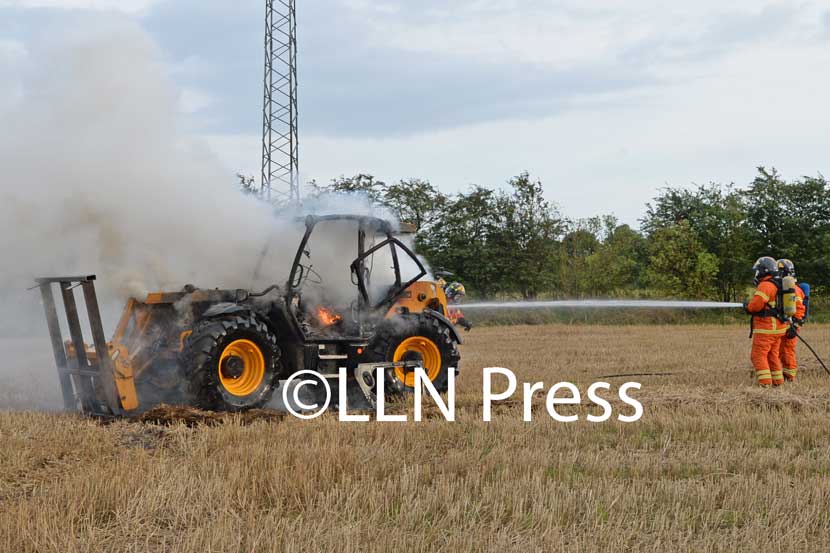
{"x":605,"y":101}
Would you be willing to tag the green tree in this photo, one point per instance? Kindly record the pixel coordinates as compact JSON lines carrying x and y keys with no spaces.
{"x":619,"y":263}
{"x":791,"y":220}
{"x":415,"y":201}
{"x":463,"y":240}
{"x":697,"y":242}
{"x":530,"y":238}
{"x":498,"y":242}
{"x":362,"y":183}
{"x":577,"y":246}
{"x":679,"y":265}
{"x":717,"y":216}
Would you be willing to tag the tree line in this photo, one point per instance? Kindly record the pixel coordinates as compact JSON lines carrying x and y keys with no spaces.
{"x":695,"y":243}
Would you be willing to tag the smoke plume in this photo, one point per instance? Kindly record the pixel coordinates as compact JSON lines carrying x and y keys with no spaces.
{"x":100,"y":174}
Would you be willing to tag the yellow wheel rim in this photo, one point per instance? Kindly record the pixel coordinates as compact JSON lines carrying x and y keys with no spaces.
{"x":244,"y":374}
{"x":429,"y":353}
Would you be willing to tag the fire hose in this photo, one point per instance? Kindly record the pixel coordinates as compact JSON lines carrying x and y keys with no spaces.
{"x":809,"y":347}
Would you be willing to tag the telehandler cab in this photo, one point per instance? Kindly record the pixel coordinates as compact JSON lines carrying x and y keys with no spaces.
{"x":228,"y":350}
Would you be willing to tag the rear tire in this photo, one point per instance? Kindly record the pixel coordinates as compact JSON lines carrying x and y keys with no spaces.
{"x":417,"y":338}
{"x":232,"y":363}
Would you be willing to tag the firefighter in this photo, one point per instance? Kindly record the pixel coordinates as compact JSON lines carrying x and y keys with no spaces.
{"x":442,"y":277}
{"x":456,"y":292}
{"x":768,"y":328}
{"x":787,"y":355}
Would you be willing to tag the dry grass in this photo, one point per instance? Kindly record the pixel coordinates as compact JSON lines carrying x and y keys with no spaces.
{"x":714,"y":465}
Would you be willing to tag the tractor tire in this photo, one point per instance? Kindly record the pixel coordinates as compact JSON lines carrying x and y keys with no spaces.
{"x":422,"y":338}
{"x":232,"y":363}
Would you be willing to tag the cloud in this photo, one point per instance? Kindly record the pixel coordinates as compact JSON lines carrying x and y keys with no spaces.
{"x":102,"y":175}
{"x":398,"y":67}
{"x":596,"y":101}
{"x":727,"y":33}
{"x":593,"y":97}
{"x":437,"y":93}
{"x":354,"y":83}
{"x":11,"y":50}
{"x":192,"y":100}
{"x":215,"y":47}
{"x":128,"y":6}
{"x":13,"y":55}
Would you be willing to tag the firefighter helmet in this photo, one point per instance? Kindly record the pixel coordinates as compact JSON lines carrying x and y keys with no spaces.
{"x":786,"y":267}
{"x":455,"y":291}
{"x":765,"y":266}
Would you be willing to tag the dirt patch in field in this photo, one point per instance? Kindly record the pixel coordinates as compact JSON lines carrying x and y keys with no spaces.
{"x":190,"y":416}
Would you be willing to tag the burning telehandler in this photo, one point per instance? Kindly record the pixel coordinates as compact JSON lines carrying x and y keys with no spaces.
{"x":228,"y":349}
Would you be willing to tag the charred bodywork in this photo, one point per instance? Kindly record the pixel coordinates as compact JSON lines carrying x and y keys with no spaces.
{"x":228,"y":349}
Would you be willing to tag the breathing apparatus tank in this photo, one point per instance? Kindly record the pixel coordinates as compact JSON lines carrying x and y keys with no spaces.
{"x":788,"y":297}
{"x":806,"y":289}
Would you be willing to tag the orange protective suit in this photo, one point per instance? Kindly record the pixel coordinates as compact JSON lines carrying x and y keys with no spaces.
{"x":788,"y":360}
{"x":456,"y":316}
{"x":767,"y":334}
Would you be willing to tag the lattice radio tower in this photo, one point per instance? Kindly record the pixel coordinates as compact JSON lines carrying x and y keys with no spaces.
{"x":280,"y":162}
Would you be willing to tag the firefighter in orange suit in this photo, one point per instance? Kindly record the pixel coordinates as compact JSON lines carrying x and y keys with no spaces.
{"x":767,"y":329}
{"x":455,"y":293}
{"x":787,"y":355}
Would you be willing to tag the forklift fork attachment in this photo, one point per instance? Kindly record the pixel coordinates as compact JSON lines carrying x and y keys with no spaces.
{"x":87,"y":385}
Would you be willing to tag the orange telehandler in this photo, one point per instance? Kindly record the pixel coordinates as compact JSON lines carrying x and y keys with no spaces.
{"x":228,"y":350}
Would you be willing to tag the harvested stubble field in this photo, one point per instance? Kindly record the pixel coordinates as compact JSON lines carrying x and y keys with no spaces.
{"x":713,"y":465}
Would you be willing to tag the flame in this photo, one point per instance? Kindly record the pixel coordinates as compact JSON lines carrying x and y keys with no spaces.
{"x":328,"y":317}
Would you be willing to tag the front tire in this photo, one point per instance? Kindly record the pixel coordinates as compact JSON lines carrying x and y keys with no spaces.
{"x":232,"y":363}
{"x":421,"y":339}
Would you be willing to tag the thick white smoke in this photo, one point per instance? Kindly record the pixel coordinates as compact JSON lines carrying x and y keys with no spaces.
{"x":100,"y":174}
